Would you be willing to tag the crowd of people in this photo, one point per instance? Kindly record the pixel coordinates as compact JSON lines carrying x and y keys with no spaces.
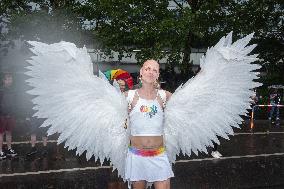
{"x":272,"y":102}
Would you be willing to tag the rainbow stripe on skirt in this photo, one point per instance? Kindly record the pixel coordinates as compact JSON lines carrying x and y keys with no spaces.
{"x":146,"y":153}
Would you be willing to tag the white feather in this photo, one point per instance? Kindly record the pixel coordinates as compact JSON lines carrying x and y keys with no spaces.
{"x":86,"y":110}
{"x":102,"y":76}
{"x":116,"y":85}
{"x":211,"y":103}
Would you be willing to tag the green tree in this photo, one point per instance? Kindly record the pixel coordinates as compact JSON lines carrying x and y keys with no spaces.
{"x":158,"y":32}
{"x":264,"y":18}
{"x":154,"y":29}
{"x":50,"y":21}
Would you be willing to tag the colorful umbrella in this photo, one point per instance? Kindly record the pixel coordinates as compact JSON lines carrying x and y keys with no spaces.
{"x":120,"y":74}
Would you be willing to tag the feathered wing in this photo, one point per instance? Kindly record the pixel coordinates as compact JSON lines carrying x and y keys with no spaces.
{"x":211,"y":103}
{"x":86,"y":110}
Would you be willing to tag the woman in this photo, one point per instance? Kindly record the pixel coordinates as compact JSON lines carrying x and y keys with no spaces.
{"x":147,"y":160}
{"x":90,"y":114}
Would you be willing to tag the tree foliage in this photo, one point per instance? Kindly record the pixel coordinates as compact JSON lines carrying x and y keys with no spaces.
{"x":264,"y":18}
{"x":47,"y":21}
{"x":159,"y":31}
{"x":153,"y":28}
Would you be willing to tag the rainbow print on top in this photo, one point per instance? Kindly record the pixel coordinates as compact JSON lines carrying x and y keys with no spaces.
{"x":149,"y":111}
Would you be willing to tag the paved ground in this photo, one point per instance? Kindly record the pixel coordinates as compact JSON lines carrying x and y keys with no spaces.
{"x":251,"y":159}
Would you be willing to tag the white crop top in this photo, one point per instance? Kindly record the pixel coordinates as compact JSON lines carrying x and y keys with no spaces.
{"x":147,"y":116}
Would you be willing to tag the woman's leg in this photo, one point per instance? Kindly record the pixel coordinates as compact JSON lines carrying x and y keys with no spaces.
{"x":9,"y":139}
{"x":139,"y":184}
{"x":162,"y":184}
{"x":1,"y":141}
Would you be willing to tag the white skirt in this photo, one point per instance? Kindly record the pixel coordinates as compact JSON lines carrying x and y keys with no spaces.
{"x":149,"y":169}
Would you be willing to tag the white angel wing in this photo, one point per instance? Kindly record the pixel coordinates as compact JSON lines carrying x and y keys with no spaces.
{"x":87,"y":111}
{"x":116,"y":85}
{"x":211,"y":103}
{"x":102,"y":76}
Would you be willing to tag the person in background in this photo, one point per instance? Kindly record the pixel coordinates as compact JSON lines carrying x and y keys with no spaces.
{"x":255,"y":99}
{"x":34,"y":124}
{"x":7,"y":115}
{"x":255,"y":102}
{"x":274,"y":99}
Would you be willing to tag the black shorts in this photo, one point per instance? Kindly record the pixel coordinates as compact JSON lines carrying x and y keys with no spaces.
{"x":7,"y":123}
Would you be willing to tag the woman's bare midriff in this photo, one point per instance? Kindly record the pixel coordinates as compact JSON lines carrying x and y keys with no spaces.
{"x":147,"y":142}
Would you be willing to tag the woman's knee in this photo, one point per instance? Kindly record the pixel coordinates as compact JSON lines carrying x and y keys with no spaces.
{"x":162,"y":184}
{"x":139,"y":185}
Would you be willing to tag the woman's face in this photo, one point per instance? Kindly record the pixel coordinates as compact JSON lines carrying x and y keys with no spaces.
{"x":150,"y":71}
